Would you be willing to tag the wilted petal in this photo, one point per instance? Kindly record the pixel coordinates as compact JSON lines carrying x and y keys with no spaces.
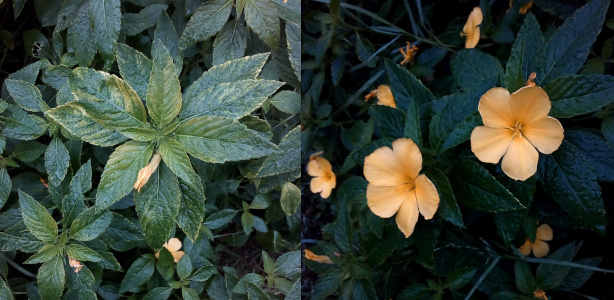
{"x":319,"y":258}
{"x":382,"y":169}
{"x":520,"y":160}
{"x":173,"y":245}
{"x":545,"y":133}
{"x":489,"y":144}
{"x":495,"y":108}
{"x":384,"y":201}
{"x":384,"y":95}
{"x":544,"y":232}
{"x":177,"y":255}
{"x":407,"y":216}
{"x":540,"y":248}
{"x":473,"y":38}
{"x":408,"y":156}
{"x":526,"y":248}
{"x":529,"y":103}
{"x":426,"y":197}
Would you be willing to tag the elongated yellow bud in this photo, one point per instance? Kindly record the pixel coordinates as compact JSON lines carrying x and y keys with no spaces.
{"x":146,"y":172}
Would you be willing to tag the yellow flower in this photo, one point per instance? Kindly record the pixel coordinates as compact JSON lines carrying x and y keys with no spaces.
{"x":471,"y":29}
{"x":540,"y":247}
{"x":173,"y":245}
{"x":146,"y":172}
{"x":75,"y":264}
{"x":324,"y":180}
{"x":515,"y":125}
{"x":383,"y":94}
{"x":319,"y":258}
{"x":395,"y":186}
{"x":408,"y":54}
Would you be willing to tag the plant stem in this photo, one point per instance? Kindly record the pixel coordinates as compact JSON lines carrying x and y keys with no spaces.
{"x":475,"y":286}
{"x":16,"y":266}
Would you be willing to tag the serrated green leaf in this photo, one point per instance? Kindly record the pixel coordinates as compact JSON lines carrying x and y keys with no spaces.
{"x":139,"y":272}
{"x":290,"y":198}
{"x":56,"y":161}
{"x":165,"y":32}
{"x":122,"y":234}
{"x":5,"y":291}
{"x":549,"y":276}
{"x":72,"y":205}
{"x":46,"y":253}
{"x":476,"y":188}
{"x":37,"y":219}
{"x":220,"y":219}
{"x":389,"y":120}
{"x":90,"y":224}
{"x":525,"y":281}
{"x":105,"y":19}
{"x":578,"y":276}
{"x":233,"y":99}
{"x":247,"y":221}
{"x":565,"y":51}
{"x":177,"y":160}
{"x":579,"y":94}
{"x":208,"y":19}
{"x":81,"y":36}
{"x":24,"y":243}
{"x":82,"y":181}
{"x":472,"y":68}
{"x":364,"y":51}
{"x":455,"y":122}
{"x":255,"y":291}
{"x":72,"y":117}
{"x":327,"y":284}
{"x":5,"y":186}
{"x":133,"y":24}
{"x":261,"y":17}
{"x":189,"y":294}
{"x":597,"y":152}
{"x":287,"y":101}
{"x":288,"y":265}
{"x":121,"y":172}
{"x":56,"y":76}
{"x":159,"y":293}
{"x":28,"y":151}
{"x":230,"y":43}
{"x":82,"y":253}
{"x":520,"y":65}
{"x":135,"y":68}
{"x":192,"y":209}
{"x":51,"y":278}
{"x":22,"y":126}
{"x":26,"y":95}
{"x":111,"y":102}
{"x":569,"y":181}
{"x":217,"y":139}
{"x":607,"y":129}
{"x":293,"y":38}
{"x":184,"y":266}
{"x":251,"y":278}
{"x":448,"y":207}
{"x":286,"y":159}
{"x":164,"y":91}
{"x":204,"y":273}
{"x":459,"y":278}
{"x":158,"y":206}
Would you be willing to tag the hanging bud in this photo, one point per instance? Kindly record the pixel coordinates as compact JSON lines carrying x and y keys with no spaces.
{"x":146,"y":172}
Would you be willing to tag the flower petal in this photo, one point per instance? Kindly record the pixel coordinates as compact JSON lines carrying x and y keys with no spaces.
{"x":496,"y":109}
{"x":520,"y":160}
{"x":529,"y":103}
{"x":545,"y":133}
{"x":473,"y":38}
{"x":327,"y":189}
{"x":489,"y":144}
{"x":173,"y":245}
{"x":177,"y":255}
{"x":317,"y":185}
{"x":526,"y":248}
{"x":382,"y":169}
{"x":408,"y":156}
{"x":426,"y":197}
{"x":318,"y":166}
{"x":385,"y":97}
{"x":544,"y":232}
{"x":407,"y":216}
{"x":475,"y":18}
{"x":384,"y":201}
{"x":540,"y":248}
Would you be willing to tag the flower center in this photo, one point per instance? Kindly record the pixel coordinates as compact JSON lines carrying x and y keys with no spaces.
{"x":517,"y":129}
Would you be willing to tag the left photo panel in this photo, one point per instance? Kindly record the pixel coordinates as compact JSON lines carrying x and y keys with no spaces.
{"x":150,"y":149}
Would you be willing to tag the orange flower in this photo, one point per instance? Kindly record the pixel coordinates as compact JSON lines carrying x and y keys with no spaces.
{"x":75,"y":264}
{"x":324,"y":180}
{"x":146,"y":172}
{"x":319,"y":258}
{"x":408,"y":54}
{"x":515,"y":125}
{"x":383,"y":94}
{"x":540,"y":247}
{"x":395,"y":186}
{"x":173,"y":245}
{"x":539,"y":293}
{"x":471,"y":29}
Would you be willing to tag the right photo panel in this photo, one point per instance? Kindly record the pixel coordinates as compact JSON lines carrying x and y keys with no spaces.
{"x":457,"y":149}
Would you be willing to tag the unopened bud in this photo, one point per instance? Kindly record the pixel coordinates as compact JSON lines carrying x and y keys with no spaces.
{"x":146,"y":172}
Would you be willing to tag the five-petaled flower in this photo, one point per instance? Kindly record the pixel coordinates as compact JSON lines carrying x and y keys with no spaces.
{"x":324,"y":180}
{"x":395,"y":185}
{"x":540,"y":247}
{"x":515,"y":125}
{"x":384,"y":96}
{"x":319,"y":258}
{"x":471,"y":29}
{"x":75,"y":264}
{"x":146,"y":172}
{"x":173,"y":245}
{"x":409,"y":54}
